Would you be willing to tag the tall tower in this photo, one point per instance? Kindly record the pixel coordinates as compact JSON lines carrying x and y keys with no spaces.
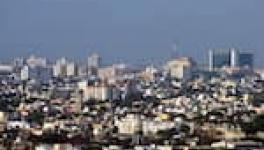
{"x":211,"y":60}
{"x":234,"y":57}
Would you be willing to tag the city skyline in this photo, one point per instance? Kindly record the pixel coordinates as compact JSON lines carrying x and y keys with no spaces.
{"x":131,"y":75}
{"x":118,"y":33}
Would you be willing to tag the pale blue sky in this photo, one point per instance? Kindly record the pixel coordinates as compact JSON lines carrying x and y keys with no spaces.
{"x":129,"y":30}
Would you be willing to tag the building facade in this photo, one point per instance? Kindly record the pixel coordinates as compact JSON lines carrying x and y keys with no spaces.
{"x":181,"y":68}
{"x":220,"y":58}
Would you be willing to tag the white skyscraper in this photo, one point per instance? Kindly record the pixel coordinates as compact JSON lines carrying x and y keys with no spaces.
{"x":211,"y":60}
{"x":234,"y":57}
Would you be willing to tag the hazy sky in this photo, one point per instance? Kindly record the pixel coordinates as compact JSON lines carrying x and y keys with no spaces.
{"x":129,"y":30}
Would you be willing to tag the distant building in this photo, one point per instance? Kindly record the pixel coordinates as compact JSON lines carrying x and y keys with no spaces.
{"x":149,"y":73}
{"x":94,"y":61}
{"x":63,"y":68}
{"x":246,"y":60}
{"x":181,"y":68}
{"x":111,"y":72}
{"x":60,"y":67}
{"x":34,"y":61}
{"x":220,"y":58}
{"x":82,"y":70}
{"x":38,"y":73}
{"x":100,"y":92}
{"x":71,"y":69}
{"x":107,"y":72}
{"x":234,"y":54}
{"x":18,"y":62}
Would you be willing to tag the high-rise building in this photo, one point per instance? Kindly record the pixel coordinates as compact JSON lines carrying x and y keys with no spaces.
{"x":60,"y":67}
{"x":94,"y":61}
{"x":63,"y":67}
{"x":71,"y":69}
{"x":38,"y":73}
{"x":36,"y":68}
{"x":220,"y":58}
{"x":246,"y":60}
{"x":82,"y":70}
{"x":234,"y":57}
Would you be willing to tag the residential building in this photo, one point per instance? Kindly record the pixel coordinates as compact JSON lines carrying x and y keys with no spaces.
{"x":64,"y":68}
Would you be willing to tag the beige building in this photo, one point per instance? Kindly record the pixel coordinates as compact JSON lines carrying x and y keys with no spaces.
{"x":111,"y":72}
{"x":149,"y":73}
{"x":129,"y":125}
{"x":180,"y":68}
{"x":71,"y":69}
{"x":100,"y":92}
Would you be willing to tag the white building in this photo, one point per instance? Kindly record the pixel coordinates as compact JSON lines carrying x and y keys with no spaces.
{"x":234,"y":57}
{"x":59,"y":69}
{"x":71,"y":69}
{"x":94,"y":61}
{"x":24,"y":75}
{"x":63,"y":67}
